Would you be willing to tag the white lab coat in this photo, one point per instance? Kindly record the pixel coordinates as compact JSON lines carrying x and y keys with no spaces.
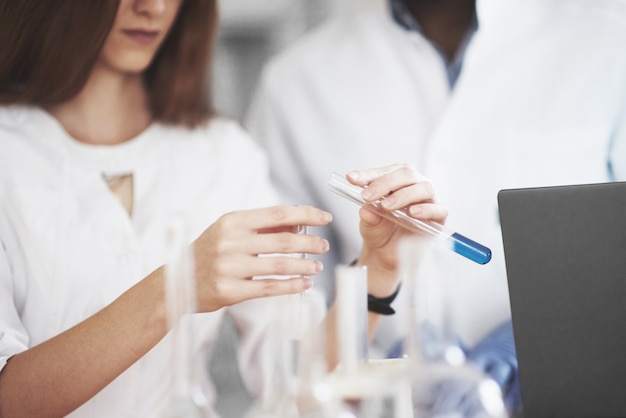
{"x":540,"y":101}
{"x":68,"y":248}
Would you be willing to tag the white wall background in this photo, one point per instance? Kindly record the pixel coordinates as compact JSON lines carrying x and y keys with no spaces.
{"x":251,"y":31}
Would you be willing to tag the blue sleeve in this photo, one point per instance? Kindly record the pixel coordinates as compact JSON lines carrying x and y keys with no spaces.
{"x":495,"y":355}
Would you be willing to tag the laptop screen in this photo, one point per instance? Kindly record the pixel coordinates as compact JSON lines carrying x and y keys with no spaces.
{"x":565,"y":252}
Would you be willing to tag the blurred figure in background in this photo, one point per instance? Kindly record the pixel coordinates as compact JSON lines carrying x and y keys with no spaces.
{"x":478,"y":96}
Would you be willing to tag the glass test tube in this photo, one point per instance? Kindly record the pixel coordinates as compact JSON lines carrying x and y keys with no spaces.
{"x":293,"y":319}
{"x":458,"y":243}
{"x":352,"y":317}
{"x":365,"y":388}
{"x":186,"y":397}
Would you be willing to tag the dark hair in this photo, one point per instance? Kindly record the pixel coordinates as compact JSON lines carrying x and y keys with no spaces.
{"x":49,"y":49}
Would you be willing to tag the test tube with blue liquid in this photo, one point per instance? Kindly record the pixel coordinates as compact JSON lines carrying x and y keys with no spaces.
{"x":458,"y":243}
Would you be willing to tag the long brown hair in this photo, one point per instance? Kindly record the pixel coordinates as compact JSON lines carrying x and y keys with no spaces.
{"x":49,"y":48}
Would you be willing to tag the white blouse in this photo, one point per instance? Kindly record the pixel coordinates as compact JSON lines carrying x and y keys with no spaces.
{"x":69,"y":248}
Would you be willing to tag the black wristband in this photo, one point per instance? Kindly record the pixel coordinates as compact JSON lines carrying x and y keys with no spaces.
{"x":382,"y":306}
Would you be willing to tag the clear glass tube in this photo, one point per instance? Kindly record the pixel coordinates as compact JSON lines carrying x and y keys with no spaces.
{"x":293,"y":358}
{"x":351,"y":302}
{"x":366,"y":388}
{"x":456,"y":242}
{"x":186,"y":398}
{"x":443,"y":384}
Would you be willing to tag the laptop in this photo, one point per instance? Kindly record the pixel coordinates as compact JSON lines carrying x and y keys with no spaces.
{"x":565,"y":253}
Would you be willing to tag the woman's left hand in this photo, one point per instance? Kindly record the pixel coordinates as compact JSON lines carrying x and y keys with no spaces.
{"x":398,"y":186}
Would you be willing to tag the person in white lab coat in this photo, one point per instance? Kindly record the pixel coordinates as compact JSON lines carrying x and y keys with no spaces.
{"x":531,"y":93}
{"x":107,"y":137}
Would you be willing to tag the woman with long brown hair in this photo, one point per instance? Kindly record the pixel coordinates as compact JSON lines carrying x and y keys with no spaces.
{"x":107,"y":134}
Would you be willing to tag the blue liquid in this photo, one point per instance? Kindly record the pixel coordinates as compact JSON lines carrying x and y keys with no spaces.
{"x":470,"y":249}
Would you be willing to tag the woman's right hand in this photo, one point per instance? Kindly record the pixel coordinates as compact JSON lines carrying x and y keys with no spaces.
{"x":227,"y":255}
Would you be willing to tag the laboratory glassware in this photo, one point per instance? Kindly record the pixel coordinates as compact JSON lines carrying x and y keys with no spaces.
{"x":293,"y":352}
{"x":455,"y":241}
{"x":443,"y":382}
{"x":366,"y":388}
{"x":186,"y":397}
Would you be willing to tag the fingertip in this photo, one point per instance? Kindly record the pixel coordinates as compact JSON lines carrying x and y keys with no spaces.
{"x":369,"y":217}
{"x":326,"y":217}
{"x":434,"y":212}
{"x":368,"y":194}
{"x":444,"y":210}
{"x":416,"y":211}
{"x":354,"y":175}
{"x":358,"y":177}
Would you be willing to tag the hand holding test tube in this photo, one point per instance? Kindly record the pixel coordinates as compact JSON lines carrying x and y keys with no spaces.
{"x":458,"y":243}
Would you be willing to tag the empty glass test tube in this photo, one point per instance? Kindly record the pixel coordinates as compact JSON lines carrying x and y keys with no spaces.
{"x":458,"y":243}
